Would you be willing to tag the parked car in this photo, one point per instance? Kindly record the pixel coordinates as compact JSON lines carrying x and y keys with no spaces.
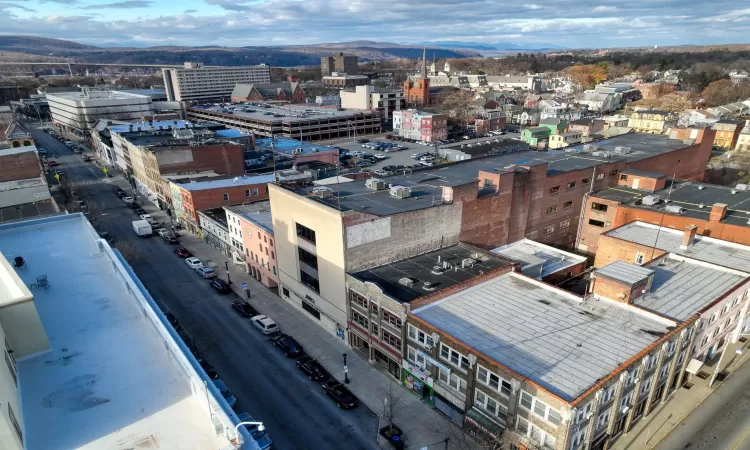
{"x":288,"y":345}
{"x":244,"y":308}
{"x":182,"y":252}
{"x":363,"y":163}
{"x":380,"y":156}
{"x":206,"y":272}
{"x":208,"y":369}
{"x":426,"y":163}
{"x":340,"y":394}
{"x":193,"y":262}
{"x":427,"y":158}
{"x":265,"y":324}
{"x":258,"y":433}
{"x":220,"y":286}
{"x":68,"y":143}
{"x":170,"y":238}
{"x":128,"y":200}
{"x":381,"y":173}
{"x":312,"y":368}
{"x":362,"y":141}
{"x":226,"y":393}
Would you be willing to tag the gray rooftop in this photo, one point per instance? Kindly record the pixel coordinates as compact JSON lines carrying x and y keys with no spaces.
{"x":278,"y":113}
{"x":643,"y":173}
{"x":258,"y":213}
{"x":426,"y":184}
{"x":714,"y":251}
{"x":420,"y":269}
{"x":624,"y":272}
{"x":682,"y":287}
{"x":543,"y":333}
{"x":538,"y":260}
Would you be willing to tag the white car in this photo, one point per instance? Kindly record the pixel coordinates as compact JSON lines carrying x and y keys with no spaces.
{"x":427,"y":158}
{"x":416,"y":155}
{"x":426,"y":163}
{"x":381,"y":173}
{"x":193,"y":262}
{"x":380,"y":156}
{"x":265,"y":324}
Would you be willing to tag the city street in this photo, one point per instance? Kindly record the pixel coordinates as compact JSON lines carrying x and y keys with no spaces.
{"x":722,"y":421}
{"x":267,"y":385}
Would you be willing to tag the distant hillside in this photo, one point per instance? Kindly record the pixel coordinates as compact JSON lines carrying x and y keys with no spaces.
{"x":279,"y":56}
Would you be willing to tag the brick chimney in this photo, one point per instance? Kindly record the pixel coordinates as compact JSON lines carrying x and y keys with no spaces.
{"x":688,"y":236}
{"x":718,"y":212}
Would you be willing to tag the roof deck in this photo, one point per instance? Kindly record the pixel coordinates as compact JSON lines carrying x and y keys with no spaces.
{"x":107,"y":380}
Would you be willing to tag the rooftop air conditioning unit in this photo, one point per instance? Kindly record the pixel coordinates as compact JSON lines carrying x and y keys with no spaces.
{"x":407,"y":281}
{"x":674,"y":209}
{"x":376,"y":184}
{"x":622,"y":150}
{"x":590,"y":148}
{"x":650,"y":200}
{"x":400,"y":192}
{"x":603,"y":154}
{"x":741,"y":187}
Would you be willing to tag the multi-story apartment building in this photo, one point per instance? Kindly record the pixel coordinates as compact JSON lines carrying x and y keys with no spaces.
{"x":727,"y":133}
{"x":420,"y":125}
{"x":24,"y":191}
{"x":652,"y":121}
{"x":369,"y":97}
{"x":485,"y":202}
{"x":74,"y":322}
{"x":81,"y":110}
{"x":251,"y":233}
{"x":338,"y":62}
{"x":198,"y":83}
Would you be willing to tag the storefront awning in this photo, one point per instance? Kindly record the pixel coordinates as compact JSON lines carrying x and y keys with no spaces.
{"x":483,"y":422}
{"x":694,"y":366}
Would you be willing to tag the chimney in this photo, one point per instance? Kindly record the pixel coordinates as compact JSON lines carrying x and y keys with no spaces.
{"x":718,"y":212}
{"x":688,"y":236}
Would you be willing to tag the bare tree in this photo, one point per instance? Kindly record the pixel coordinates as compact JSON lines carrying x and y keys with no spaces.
{"x":392,"y":405}
{"x":129,"y":251}
{"x":460,"y":107}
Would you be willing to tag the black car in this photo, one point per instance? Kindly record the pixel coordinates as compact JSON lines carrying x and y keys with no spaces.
{"x":288,"y":345}
{"x":208,"y":369}
{"x":139,"y":211}
{"x":221,"y":287}
{"x":172,"y":320}
{"x":362,"y":141}
{"x":312,"y":368}
{"x":134,"y":205}
{"x":340,"y":394}
{"x":244,"y":309}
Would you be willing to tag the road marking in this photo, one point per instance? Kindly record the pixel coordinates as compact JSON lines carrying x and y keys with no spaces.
{"x":736,"y":444}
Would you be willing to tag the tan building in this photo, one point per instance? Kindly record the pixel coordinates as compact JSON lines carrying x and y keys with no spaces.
{"x":198,"y":83}
{"x":727,"y":133}
{"x":565,"y":139}
{"x":743,"y":139}
{"x":652,"y":121}
{"x":338,"y":62}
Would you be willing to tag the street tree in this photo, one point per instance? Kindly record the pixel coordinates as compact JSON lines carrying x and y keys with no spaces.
{"x":459,"y":107}
{"x":392,"y":405}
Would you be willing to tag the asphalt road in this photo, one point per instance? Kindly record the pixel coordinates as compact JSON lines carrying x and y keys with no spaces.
{"x":266,"y":384}
{"x":722,"y":421}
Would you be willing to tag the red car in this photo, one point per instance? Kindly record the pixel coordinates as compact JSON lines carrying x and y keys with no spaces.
{"x":52,"y":163}
{"x":389,"y":136}
{"x":182,"y":252}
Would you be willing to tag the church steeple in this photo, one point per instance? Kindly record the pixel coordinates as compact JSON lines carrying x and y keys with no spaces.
{"x":424,"y":63}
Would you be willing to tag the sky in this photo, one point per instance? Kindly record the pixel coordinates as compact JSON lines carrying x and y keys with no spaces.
{"x":568,"y":23}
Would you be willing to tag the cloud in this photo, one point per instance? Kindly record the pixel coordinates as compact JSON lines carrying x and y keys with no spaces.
{"x":64,"y":2}
{"x":605,"y":8}
{"x":127,"y":4}
{"x":190,"y":11}
{"x":532,"y":6}
{"x":4,"y":6}
{"x":230,"y":5}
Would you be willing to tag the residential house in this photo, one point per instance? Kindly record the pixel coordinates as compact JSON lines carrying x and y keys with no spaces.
{"x":617,"y":120}
{"x":214,"y":229}
{"x":599,"y":102}
{"x":727,"y":133}
{"x":420,"y":125}
{"x":565,"y":139}
{"x":652,"y":121}
{"x":743,"y":140}
{"x":18,"y":136}
{"x":24,"y":191}
{"x":731,"y":110}
{"x":536,"y":136}
{"x":586,"y":127}
{"x":555,"y":125}
{"x":526,"y":83}
{"x":557,"y":110}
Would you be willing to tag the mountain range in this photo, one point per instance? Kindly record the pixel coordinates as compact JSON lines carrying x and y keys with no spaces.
{"x":278,"y":56}
{"x":492,"y":46}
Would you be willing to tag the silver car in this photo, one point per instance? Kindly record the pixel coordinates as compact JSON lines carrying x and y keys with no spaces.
{"x":206,"y":272}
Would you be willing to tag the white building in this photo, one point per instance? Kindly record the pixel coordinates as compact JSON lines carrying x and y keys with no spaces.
{"x":80,"y":110}
{"x":198,"y":83}
{"x":91,"y":360}
{"x":368,"y":97}
{"x":528,"y":83}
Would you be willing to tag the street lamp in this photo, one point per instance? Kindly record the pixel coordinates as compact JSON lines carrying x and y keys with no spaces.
{"x":346,"y":371}
{"x":226,"y":265}
{"x":237,"y":430}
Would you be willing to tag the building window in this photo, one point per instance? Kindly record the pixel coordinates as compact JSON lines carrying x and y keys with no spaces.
{"x":603,"y":419}
{"x":612,"y":173}
{"x":309,"y":281}
{"x":493,"y":381}
{"x":596,"y":223}
{"x":274,"y":270}
{"x":247,"y":193}
{"x":226,"y":197}
{"x":551,"y":209}
{"x":568,"y":204}
{"x":304,"y":232}
{"x":311,"y":310}
{"x":360,"y":319}
{"x":554,"y":190}
{"x":11,"y":367}
{"x":419,"y":336}
{"x":599,"y":207}
{"x":255,"y":192}
{"x":549,"y":230}
{"x":600,"y":176}
{"x":457,"y":359}
{"x":586,"y":181}
{"x":639,"y":258}
{"x":258,"y":234}
{"x":490,"y":405}
{"x":358,"y":299}
{"x":270,"y":242}
{"x":623,"y":178}
{"x":539,"y":408}
{"x":391,"y":340}
{"x":570,"y":185}
{"x":453,"y":381}
{"x":392,"y":319}
{"x":535,"y":434}
{"x":565,"y":223}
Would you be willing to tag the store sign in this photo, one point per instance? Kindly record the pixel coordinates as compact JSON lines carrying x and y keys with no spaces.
{"x":417,"y":372}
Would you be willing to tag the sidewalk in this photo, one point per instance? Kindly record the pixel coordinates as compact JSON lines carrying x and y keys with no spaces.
{"x":651,"y":430}
{"x":422,"y":425}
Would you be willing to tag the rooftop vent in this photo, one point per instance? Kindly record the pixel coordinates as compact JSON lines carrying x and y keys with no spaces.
{"x":428,"y":286}
{"x":650,"y":200}
{"x":407,"y":281}
{"x":437,"y":270}
{"x":603,"y":154}
{"x":674,"y":209}
{"x":622,"y":150}
{"x":701,"y":206}
{"x":468,"y":262}
{"x":322,"y":191}
{"x":400,"y":192}
{"x":376,"y":184}
{"x":544,"y":302}
{"x":590,"y":148}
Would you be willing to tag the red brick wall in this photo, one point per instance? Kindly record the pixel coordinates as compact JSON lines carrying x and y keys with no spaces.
{"x":226,"y":159}
{"x":613,"y":249}
{"x":589,"y":236}
{"x":685,"y":164}
{"x":19,"y":166}
{"x":559,"y":277}
{"x":642,"y":183}
{"x":214,"y":198}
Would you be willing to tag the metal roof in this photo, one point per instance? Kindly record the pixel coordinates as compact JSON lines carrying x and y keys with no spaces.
{"x":538,"y":260}
{"x":543,"y":333}
{"x":625,"y":272}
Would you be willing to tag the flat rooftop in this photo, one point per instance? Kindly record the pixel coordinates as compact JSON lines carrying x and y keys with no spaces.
{"x":643,"y":173}
{"x":277,"y":113}
{"x":715,"y":251}
{"x":288,"y":146}
{"x":96,"y":95}
{"x":426,"y":184}
{"x":106,"y":381}
{"x":258,"y":213}
{"x":543,"y":333}
{"x":225,"y":182}
{"x":17,"y":150}
{"x":683,"y":287}
{"x":419,"y":269}
{"x":538,"y":260}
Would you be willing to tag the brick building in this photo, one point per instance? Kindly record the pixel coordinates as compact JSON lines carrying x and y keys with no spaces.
{"x":727,"y":133}
{"x":288,"y":92}
{"x":484,"y":202}
{"x":215,"y":193}
{"x":338,"y":62}
{"x":418,"y":92}
{"x":24,"y":191}
{"x":251,"y":233}
{"x":419,"y":125}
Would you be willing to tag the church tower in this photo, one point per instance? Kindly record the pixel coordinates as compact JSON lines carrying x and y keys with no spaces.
{"x":419,"y":92}
{"x":447,"y":68}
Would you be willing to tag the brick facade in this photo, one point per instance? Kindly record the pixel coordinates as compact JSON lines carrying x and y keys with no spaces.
{"x":611,"y":249}
{"x":224,"y":158}
{"x":19,"y":166}
{"x":417,"y":92}
{"x":260,"y":253}
{"x":194,"y":201}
